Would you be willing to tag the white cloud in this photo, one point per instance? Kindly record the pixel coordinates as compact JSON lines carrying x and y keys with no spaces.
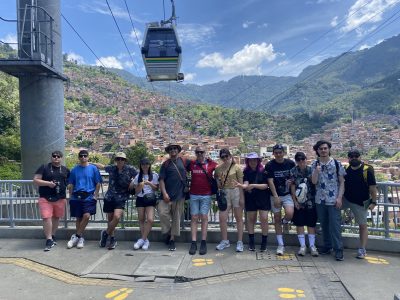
{"x":195,"y":34}
{"x":247,"y":24}
{"x":73,"y":57}
{"x":364,"y":46}
{"x":247,"y":61}
{"x":263,"y":25}
{"x":110,"y":62}
{"x":136,"y":33}
{"x":283,"y":63}
{"x":128,"y":64}
{"x":366,"y":12}
{"x":334,"y":21}
{"x":12,"y":39}
{"x":100,"y":7}
{"x":190,"y":76}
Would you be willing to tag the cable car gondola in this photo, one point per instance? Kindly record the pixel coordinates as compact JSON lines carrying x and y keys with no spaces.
{"x":161,"y":50}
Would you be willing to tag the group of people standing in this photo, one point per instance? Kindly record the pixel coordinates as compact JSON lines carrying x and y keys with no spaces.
{"x":303,"y":193}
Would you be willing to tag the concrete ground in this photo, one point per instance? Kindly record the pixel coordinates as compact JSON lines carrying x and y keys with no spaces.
{"x":97,"y":273}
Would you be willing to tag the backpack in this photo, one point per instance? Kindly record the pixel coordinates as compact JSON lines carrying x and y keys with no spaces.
{"x":301,"y":192}
{"x":365,"y":172}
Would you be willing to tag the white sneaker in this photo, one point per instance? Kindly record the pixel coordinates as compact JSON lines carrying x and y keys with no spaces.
{"x":139,"y":244}
{"x":280,"y":250}
{"x":72,"y":242}
{"x":314,"y":251}
{"x":146,"y":245}
{"x":81,"y":243}
{"x":239,"y":246}
{"x":302,"y":251}
{"x":223,"y":244}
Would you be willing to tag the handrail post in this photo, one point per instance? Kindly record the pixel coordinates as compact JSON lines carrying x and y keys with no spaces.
{"x":386,"y":210}
{"x":11,"y":208}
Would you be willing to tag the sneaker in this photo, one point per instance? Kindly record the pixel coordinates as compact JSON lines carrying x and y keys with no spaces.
{"x":325,"y":251}
{"x":223,"y":244}
{"x":302,"y":251}
{"x":314,"y":251}
{"x":103,"y":238}
{"x":361,"y":253}
{"x":339,"y":255}
{"x":171,"y":245}
{"x":263,"y":247}
{"x":193,"y":248}
{"x":81,"y":243}
{"x":49,"y":244}
{"x":139,"y":244}
{"x":203,"y":248}
{"x":113,"y":243}
{"x":239,"y":246}
{"x":146,"y":245}
{"x":167,"y":238}
{"x":252,"y":246}
{"x":73,"y":241}
{"x":280,"y":250}
{"x":53,"y":237}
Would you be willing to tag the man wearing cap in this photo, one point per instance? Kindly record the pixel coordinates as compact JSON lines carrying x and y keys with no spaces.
{"x":360,"y":194}
{"x":278,"y":173}
{"x":202,"y":170}
{"x":120,"y":182}
{"x":52,"y":180}
{"x":84,"y":185}
{"x":172,"y":181}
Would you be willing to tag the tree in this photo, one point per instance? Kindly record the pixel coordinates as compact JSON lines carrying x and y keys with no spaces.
{"x":135,"y":153}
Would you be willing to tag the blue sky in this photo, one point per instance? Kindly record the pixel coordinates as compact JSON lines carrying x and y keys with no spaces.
{"x":224,"y":38}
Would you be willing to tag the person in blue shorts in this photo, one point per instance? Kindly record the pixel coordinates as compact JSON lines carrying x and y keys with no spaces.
{"x":84,"y":184}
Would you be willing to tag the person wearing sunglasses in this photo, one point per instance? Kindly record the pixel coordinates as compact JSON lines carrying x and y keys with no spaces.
{"x":201,"y":170}
{"x":328,"y":177}
{"x":228,"y":175}
{"x":84,"y":185}
{"x":360,"y":194}
{"x":120,"y":182}
{"x":52,"y":181}
{"x":303,"y":195}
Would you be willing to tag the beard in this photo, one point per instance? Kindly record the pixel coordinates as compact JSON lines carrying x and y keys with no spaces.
{"x":355,"y":163}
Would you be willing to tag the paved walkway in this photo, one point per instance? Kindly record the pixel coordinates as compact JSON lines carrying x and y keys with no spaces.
{"x":97,"y":273}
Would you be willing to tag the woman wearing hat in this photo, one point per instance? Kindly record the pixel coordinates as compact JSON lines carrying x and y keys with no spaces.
{"x":146,"y":183}
{"x":256,"y":198}
{"x":303,"y":195}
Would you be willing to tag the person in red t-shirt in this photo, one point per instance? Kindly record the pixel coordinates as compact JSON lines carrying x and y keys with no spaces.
{"x":200,"y":197}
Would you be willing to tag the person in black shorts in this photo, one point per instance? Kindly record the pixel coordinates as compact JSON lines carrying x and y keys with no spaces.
{"x":256,"y":198}
{"x":303,"y":195}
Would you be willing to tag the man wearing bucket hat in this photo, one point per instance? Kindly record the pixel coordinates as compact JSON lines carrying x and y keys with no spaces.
{"x":120,"y":182}
{"x":172,"y":180}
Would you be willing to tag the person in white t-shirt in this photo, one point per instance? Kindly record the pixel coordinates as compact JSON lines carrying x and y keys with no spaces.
{"x":146,"y":184}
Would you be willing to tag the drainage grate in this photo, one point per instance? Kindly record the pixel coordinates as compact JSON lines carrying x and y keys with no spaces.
{"x":272,"y":256}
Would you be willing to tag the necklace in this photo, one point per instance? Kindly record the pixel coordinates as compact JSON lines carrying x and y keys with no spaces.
{"x":51,"y":169}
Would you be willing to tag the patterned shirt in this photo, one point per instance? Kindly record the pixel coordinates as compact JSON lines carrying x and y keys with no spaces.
{"x":328,"y":182}
{"x":299,"y":176}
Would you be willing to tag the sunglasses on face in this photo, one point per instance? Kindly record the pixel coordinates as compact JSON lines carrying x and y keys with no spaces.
{"x":224,"y":156}
{"x":56,"y":156}
{"x":173,"y":148}
{"x":300,"y":159}
{"x":354,"y":156}
{"x":199,"y":152}
{"x":120,"y":159}
{"x":83,"y":155}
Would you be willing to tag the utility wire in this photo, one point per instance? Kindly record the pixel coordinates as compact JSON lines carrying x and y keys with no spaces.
{"x":91,"y":50}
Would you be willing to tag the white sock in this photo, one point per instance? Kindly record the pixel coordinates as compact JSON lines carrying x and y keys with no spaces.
{"x":311,"y":239}
{"x":279,"y":238}
{"x":302,"y":240}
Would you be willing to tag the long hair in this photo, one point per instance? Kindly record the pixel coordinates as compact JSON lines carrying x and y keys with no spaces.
{"x":140,"y":178}
{"x":259,"y":167}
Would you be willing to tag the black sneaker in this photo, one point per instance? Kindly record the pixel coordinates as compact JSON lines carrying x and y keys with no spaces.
{"x":339,"y":255}
{"x":193,"y":248}
{"x":167,"y":239}
{"x":263,"y":247}
{"x":112,"y":244}
{"x":252,"y":246}
{"x":325,"y":251}
{"x":49,"y":244}
{"x":203,"y":248}
{"x":171,"y":245}
{"x":103,"y":238}
{"x":53,"y":237}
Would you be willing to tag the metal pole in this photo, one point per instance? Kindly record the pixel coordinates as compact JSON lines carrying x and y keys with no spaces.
{"x":11,"y":206}
{"x":386,"y":210}
{"x":42,"y":101}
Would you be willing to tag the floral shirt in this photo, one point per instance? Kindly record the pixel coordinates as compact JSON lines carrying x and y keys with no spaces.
{"x":328,"y":182}
{"x":299,"y":176}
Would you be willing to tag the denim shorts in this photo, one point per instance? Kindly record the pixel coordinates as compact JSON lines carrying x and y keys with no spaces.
{"x":200,"y":204}
{"x":359,"y":212}
{"x":285,"y":201}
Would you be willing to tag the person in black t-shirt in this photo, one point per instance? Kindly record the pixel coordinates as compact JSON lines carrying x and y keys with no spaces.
{"x":278,"y":173}
{"x":52,"y":181}
{"x":256,"y":198}
{"x":360,"y":194}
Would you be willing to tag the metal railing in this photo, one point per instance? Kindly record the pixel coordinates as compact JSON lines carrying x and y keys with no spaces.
{"x":19,"y":206}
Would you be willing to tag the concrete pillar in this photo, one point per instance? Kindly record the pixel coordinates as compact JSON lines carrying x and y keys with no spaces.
{"x":42,"y":103}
